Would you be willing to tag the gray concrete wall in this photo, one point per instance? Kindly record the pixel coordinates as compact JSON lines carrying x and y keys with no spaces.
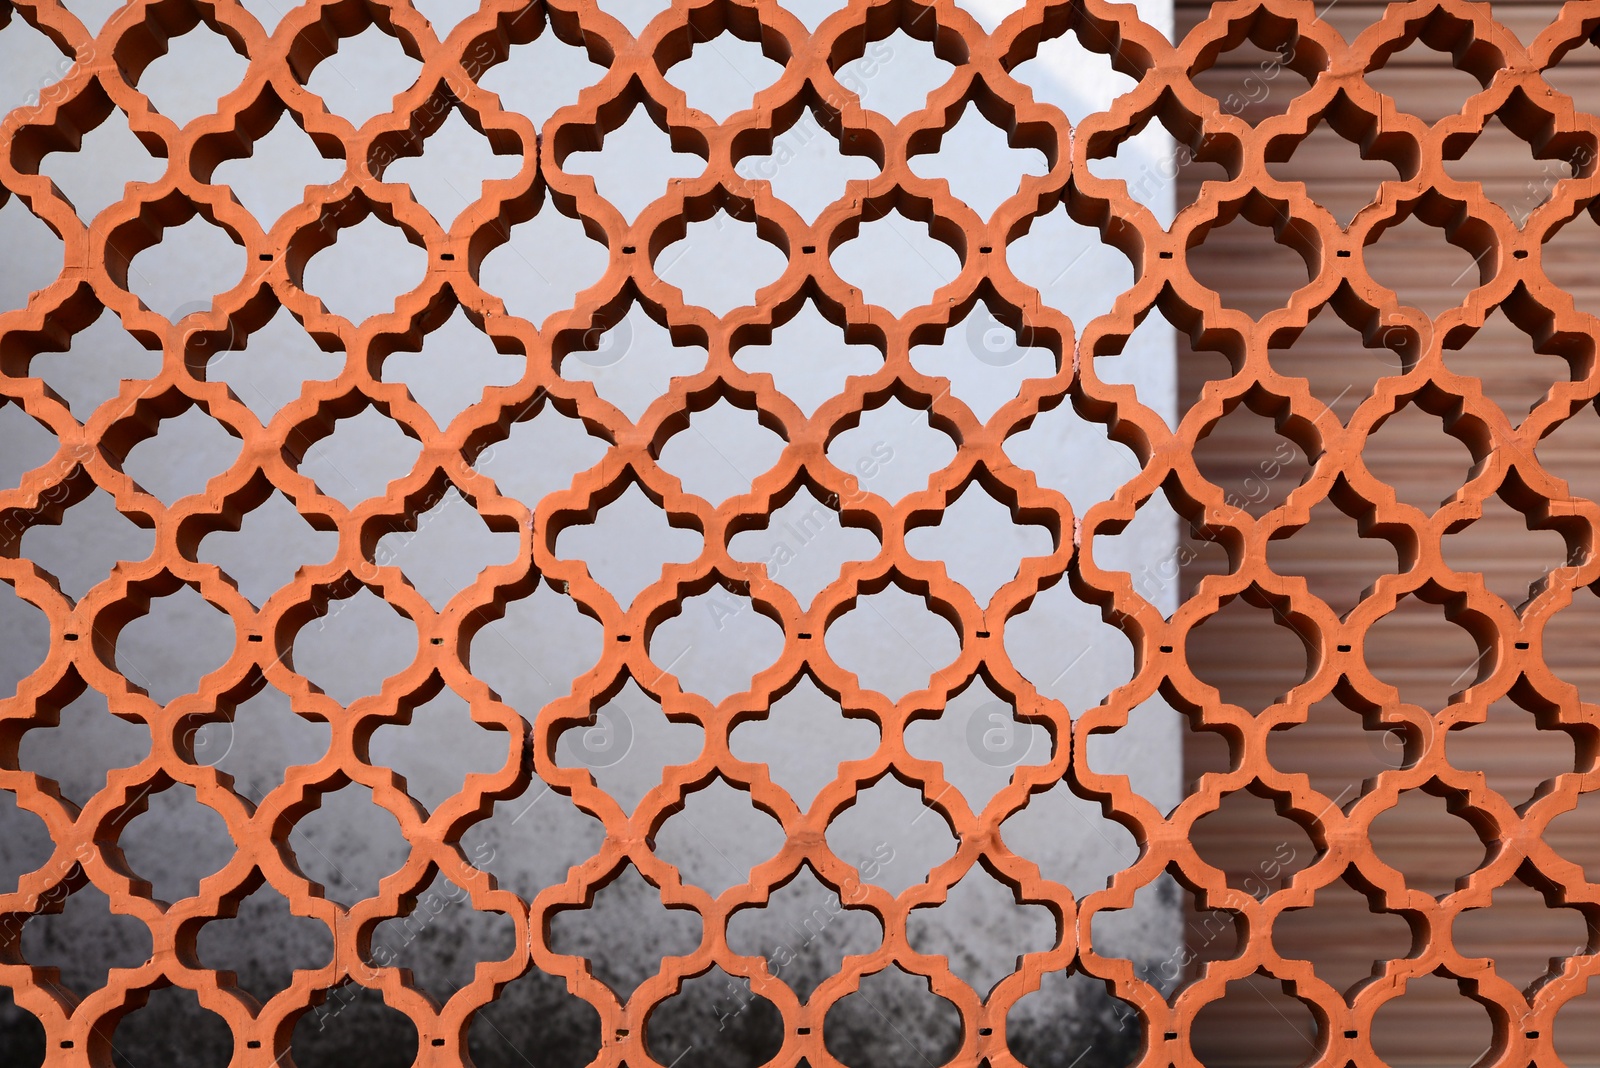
{"x":532,"y":654}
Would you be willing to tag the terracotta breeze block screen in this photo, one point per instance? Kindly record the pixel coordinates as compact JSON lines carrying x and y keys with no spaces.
{"x":89,"y":844}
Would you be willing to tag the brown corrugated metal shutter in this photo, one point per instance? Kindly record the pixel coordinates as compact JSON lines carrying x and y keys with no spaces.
{"x":1421,"y":653}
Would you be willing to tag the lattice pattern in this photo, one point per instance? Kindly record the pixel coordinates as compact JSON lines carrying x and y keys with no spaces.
{"x":89,"y":454}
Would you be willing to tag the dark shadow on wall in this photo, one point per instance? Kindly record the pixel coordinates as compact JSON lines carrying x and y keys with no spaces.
{"x":21,"y":1034}
{"x":893,"y":1020}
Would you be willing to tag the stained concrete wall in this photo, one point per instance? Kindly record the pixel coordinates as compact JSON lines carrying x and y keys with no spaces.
{"x":531,"y":654}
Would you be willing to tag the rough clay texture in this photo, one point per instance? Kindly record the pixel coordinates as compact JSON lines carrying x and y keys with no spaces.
{"x":84,"y":634}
